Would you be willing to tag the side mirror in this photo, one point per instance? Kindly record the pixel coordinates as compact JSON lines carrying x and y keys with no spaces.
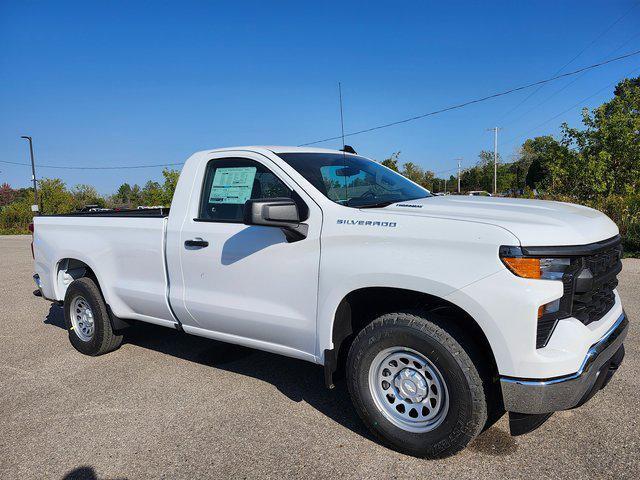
{"x":276,"y":212}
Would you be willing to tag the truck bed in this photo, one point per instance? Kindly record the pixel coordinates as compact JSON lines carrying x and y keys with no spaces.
{"x":125,"y":250}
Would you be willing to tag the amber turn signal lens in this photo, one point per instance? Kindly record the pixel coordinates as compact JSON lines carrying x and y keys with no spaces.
{"x":524,"y":267}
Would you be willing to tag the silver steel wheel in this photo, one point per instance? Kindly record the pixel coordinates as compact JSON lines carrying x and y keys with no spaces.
{"x":82,"y":318}
{"x":408,"y":389}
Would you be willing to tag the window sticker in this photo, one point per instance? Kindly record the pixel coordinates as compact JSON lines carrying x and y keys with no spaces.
{"x":232,"y":185}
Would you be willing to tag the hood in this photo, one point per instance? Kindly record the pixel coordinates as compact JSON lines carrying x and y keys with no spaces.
{"x":533,"y":222}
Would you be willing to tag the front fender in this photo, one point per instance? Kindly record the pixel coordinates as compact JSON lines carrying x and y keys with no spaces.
{"x":434,"y":256}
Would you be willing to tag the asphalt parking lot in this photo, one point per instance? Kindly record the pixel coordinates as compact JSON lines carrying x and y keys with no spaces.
{"x":166,"y":405}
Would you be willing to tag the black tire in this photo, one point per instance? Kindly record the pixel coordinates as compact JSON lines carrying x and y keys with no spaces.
{"x":450,"y":353}
{"x":103,"y":340}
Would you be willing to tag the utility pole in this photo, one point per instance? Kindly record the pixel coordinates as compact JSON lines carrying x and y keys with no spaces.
{"x":34,"y":207}
{"x":458,"y":174}
{"x":445,"y":186}
{"x":495,"y":158}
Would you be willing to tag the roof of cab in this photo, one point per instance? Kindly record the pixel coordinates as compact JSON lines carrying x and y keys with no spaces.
{"x":278,"y":149}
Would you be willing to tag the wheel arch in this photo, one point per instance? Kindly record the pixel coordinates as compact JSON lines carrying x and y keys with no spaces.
{"x":360,"y":306}
{"x":69,"y":269}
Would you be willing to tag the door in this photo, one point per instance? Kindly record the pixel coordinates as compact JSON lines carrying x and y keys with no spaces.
{"x":248,"y":284}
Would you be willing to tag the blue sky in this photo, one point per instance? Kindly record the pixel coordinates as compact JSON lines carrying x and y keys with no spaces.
{"x":131,"y":83}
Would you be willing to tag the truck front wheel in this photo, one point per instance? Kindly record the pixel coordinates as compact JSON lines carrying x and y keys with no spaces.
{"x":415,"y":385}
{"x":87,"y":319}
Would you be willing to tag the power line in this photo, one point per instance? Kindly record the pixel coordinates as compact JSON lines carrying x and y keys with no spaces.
{"x":609,"y":85}
{"x":464,"y":170}
{"x":96,"y":168}
{"x":568,"y":84}
{"x":514,"y":138}
{"x":478,"y":100}
{"x":379,"y":127}
{"x":602,"y":34}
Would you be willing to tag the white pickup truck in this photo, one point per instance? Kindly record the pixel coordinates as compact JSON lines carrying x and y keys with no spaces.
{"x":442,"y":312}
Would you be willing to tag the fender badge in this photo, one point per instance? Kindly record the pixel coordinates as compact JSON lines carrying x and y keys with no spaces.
{"x":366,"y":223}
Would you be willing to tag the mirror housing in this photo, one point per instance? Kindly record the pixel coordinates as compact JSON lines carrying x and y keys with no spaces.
{"x":282,"y":213}
{"x":347,"y":172}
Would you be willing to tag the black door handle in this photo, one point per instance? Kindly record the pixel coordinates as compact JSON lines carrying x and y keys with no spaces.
{"x":196,"y":242}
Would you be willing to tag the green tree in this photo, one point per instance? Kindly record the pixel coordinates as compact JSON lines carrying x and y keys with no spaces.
{"x":413,"y":172}
{"x":608,"y":148}
{"x":470,"y":179}
{"x":136,"y":195}
{"x":123,"y":195}
{"x":392,"y":161}
{"x":152,"y":194}
{"x":54,"y":197}
{"x":452,"y":183}
{"x":126,"y":196}
{"x":428,"y":180}
{"x":84,"y":195}
{"x":23,"y":194}
{"x":519,"y":169}
{"x":548,"y":161}
{"x":485,"y":173}
{"x":170,"y":182}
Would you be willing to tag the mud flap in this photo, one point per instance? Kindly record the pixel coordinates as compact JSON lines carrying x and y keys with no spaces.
{"x":330,"y":365}
{"x":117,"y":324}
{"x":521,"y":423}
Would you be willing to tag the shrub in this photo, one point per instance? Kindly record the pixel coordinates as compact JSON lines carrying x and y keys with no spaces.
{"x":15,"y":218}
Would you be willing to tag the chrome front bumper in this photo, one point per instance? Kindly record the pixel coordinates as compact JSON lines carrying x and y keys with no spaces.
{"x":535,"y":396}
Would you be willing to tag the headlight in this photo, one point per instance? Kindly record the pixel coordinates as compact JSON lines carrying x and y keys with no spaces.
{"x":553,"y":268}
{"x":561,"y":269}
{"x":532,"y":267}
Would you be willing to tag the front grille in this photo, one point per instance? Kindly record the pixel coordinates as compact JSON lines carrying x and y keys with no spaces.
{"x":589,"y":285}
{"x":593,"y":293}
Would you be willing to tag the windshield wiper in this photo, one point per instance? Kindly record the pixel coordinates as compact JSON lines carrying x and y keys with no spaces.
{"x":376,"y":205}
{"x":419,"y":198}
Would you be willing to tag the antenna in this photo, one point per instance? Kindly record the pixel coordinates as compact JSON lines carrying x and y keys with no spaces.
{"x":341,"y":114}
{"x":344,"y":153}
{"x":345,"y":148}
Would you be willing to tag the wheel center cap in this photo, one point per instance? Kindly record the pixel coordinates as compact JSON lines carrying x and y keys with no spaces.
{"x":411,"y":385}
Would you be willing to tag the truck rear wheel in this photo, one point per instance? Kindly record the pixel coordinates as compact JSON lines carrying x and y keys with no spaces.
{"x":87,"y":319}
{"x":415,"y":385}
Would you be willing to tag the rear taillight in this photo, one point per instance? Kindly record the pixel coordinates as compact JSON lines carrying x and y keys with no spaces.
{"x":31,"y":229}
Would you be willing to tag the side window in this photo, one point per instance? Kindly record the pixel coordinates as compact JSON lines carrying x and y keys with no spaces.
{"x":230,"y":182}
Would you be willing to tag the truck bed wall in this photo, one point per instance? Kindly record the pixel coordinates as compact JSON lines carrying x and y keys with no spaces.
{"x":126,"y":254}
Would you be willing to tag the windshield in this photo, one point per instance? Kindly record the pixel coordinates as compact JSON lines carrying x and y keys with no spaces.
{"x":353,"y":181}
